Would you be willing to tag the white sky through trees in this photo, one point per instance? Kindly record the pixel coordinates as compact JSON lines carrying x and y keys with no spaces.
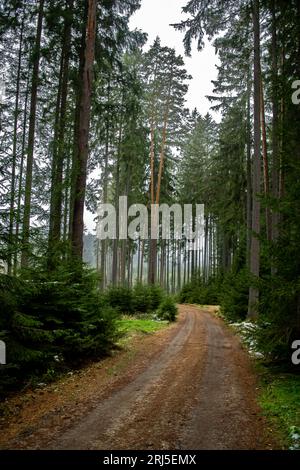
{"x":154,"y":18}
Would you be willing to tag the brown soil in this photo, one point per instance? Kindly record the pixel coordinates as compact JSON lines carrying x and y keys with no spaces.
{"x":190,"y":386}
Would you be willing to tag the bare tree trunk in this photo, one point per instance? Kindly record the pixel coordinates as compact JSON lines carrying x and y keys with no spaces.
{"x":105,"y":192}
{"x":31,"y":137}
{"x":205,"y":249}
{"x":152,"y":158}
{"x":249,"y":176}
{"x":128,"y":265}
{"x":142,"y":261}
{"x":97,"y":254}
{"x":265,"y":159}
{"x":184,"y":262}
{"x":275,"y":123}
{"x":179,"y":265}
{"x":123,"y":261}
{"x":162,"y":264}
{"x":214,"y":250}
{"x":200,"y":257}
{"x":211,"y":248}
{"x":192,"y":262}
{"x":138,"y":260}
{"x":255,"y":244}
{"x":18,"y":216}
{"x":282,"y":133}
{"x":83,"y":137}
{"x":11,"y":244}
{"x":59,"y":142}
{"x":79,"y":90}
{"x":168,"y":266}
{"x":162,"y":152}
{"x":173,"y":272}
{"x":153,"y":243}
{"x":131,"y":271}
{"x":189,"y":266}
{"x":67,"y":195}
{"x":116,"y":241}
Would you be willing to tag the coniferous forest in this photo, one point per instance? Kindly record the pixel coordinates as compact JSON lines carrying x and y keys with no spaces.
{"x":91,"y":112}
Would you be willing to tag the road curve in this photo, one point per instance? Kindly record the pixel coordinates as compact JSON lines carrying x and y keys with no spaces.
{"x":198,"y":394}
{"x":189,"y":387}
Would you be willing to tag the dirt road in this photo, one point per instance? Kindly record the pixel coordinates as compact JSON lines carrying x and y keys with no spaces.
{"x":187,"y":387}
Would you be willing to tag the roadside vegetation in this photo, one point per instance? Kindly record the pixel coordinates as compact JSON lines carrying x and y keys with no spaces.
{"x":88,"y":116}
{"x":128,"y":326}
{"x":276,"y":326}
{"x":280,"y":402}
{"x":53,"y":323}
{"x":268,"y":341}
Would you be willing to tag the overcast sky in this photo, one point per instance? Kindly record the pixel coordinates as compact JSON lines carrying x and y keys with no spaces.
{"x":154,"y":18}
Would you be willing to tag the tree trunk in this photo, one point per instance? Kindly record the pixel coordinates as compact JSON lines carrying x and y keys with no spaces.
{"x":11,"y":246}
{"x":210,"y":248}
{"x":128,"y":265}
{"x":168,"y":266}
{"x":31,"y":137}
{"x":282,"y":134}
{"x":179,"y":265}
{"x":205,"y":249}
{"x":83,"y":137}
{"x":18,"y":216}
{"x":189,"y":266}
{"x":59,"y":143}
{"x":152,"y":158}
{"x":184,"y":262}
{"x":275,"y":123}
{"x":105,"y":191}
{"x":153,"y":243}
{"x":249,"y":177}
{"x":142,"y":261}
{"x":67,"y":194}
{"x":138,"y":261}
{"x":163,"y":146}
{"x":265,"y":159}
{"x":78,"y":89}
{"x":117,"y":185}
{"x":255,"y":244}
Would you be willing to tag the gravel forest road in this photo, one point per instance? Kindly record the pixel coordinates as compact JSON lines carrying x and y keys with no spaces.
{"x":190,"y":386}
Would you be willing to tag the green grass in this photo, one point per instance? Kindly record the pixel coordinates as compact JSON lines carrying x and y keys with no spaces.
{"x":128,"y":326}
{"x":280,"y":402}
{"x":279,"y":396}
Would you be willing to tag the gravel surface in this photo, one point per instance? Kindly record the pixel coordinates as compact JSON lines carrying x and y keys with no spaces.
{"x":189,"y":386}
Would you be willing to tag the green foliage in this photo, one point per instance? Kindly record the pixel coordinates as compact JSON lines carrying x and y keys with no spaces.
{"x":168,"y":309}
{"x":278,"y":318}
{"x":198,"y":292}
{"x":156,"y":296}
{"x":147,"y":298}
{"x":52,"y":320}
{"x":140,"y":299}
{"x":280,"y":401}
{"x":128,"y":325}
{"x":234,"y":295}
{"x":120,"y":298}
